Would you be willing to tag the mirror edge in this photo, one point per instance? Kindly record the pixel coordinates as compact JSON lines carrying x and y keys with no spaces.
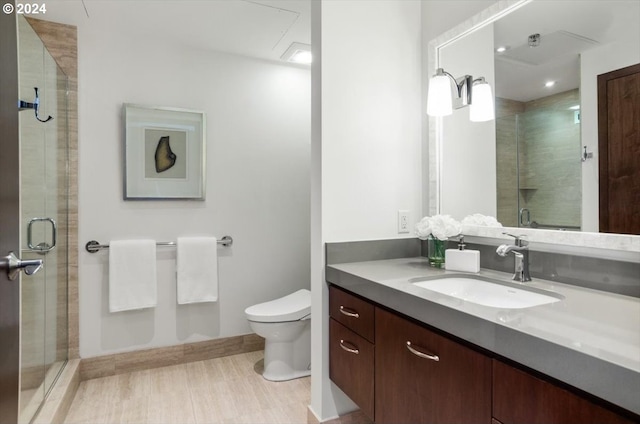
{"x":600,"y":241}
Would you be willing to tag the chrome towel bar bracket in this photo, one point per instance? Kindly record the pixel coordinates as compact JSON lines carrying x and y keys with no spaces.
{"x":93,"y":246}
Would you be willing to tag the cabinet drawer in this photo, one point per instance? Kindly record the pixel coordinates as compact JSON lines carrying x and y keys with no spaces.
{"x":352,"y":312}
{"x":519,"y":397}
{"x":351,"y":361}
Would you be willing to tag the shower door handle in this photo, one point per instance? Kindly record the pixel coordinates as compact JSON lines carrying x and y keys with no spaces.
{"x":42,"y":247}
{"x":12,"y":265}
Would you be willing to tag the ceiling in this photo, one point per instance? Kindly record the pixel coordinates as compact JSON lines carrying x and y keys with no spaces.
{"x":262,"y":29}
{"x":567,"y":28}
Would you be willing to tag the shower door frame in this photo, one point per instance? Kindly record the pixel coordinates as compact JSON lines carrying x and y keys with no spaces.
{"x":9,"y":219}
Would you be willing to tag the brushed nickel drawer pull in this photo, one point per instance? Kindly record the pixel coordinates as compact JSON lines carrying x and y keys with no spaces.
{"x":420,"y":354}
{"x":347,"y":312}
{"x":356,"y":351}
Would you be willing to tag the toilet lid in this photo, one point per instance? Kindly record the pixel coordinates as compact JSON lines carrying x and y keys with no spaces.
{"x":288,"y":308}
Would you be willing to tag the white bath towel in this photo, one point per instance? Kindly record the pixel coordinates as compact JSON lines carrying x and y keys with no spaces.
{"x":197,"y":270}
{"x":132,"y":275}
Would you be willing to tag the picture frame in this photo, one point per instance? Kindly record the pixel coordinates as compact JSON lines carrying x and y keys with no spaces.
{"x":164,"y":153}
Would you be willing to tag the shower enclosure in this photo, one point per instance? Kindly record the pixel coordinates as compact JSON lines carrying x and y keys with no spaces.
{"x":44,"y":195}
{"x":538,"y":162}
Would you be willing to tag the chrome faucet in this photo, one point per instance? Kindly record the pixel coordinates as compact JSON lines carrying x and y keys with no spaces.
{"x":521,"y":252}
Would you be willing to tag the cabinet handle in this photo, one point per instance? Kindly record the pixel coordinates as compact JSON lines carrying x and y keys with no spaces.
{"x":356,"y":351}
{"x":348,"y":313}
{"x":420,"y":354}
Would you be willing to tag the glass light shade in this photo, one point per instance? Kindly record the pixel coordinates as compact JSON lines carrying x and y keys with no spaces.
{"x":481,"y":108}
{"x":439,"y":101}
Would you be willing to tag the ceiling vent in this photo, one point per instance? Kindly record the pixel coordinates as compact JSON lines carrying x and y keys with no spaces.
{"x":549,"y":47}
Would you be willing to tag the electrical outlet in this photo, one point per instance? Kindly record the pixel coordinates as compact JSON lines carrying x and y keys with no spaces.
{"x":403,"y":222}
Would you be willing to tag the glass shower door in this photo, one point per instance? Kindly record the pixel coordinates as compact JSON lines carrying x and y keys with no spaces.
{"x":43,"y":202}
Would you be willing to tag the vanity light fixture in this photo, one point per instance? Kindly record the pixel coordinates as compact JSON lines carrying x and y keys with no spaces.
{"x":468,"y":92}
{"x":549,"y":84}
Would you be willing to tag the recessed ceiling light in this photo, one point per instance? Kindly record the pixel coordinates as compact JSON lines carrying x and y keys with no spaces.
{"x":549,"y":84}
{"x":301,"y":56}
{"x":576,"y":107}
{"x":502,"y":49}
{"x":298,"y":53}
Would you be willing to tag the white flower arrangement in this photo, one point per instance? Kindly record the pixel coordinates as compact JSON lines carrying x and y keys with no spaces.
{"x":440,"y":226}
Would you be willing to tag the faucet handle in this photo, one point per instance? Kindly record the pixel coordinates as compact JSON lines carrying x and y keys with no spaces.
{"x":519,"y":241}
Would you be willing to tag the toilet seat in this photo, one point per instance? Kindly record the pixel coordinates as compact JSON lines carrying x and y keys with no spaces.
{"x":293,"y":307}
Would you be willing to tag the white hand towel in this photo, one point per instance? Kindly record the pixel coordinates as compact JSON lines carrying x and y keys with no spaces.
{"x":197,"y":269}
{"x":132,"y":275}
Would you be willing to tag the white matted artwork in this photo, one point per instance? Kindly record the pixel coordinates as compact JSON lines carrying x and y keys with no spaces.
{"x":164,"y":153}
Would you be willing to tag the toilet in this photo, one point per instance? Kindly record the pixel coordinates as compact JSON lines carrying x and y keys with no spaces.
{"x":285,"y":324}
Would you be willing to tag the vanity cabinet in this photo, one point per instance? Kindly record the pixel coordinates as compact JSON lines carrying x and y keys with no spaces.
{"x":351,"y":351}
{"x":422,"y":377}
{"x":519,"y":397}
{"x":399,"y":371}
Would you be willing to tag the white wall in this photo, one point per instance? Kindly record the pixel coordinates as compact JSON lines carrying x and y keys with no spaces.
{"x":371,"y":117}
{"x":468,"y":149}
{"x":258,"y":153}
{"x":367,"y":143}
{"x":593,"y":63}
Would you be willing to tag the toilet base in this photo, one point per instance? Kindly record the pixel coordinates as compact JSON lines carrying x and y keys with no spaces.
{"x":285,"y":376}
{"x":287,"y":360}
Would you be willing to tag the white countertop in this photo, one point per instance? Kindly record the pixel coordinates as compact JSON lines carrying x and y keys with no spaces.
{"x":602,"y":325}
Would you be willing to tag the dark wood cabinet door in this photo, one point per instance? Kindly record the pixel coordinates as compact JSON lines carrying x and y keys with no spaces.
{"x":411,"y":388}
{"x":519,"y":397}
{"x":351,"y":360}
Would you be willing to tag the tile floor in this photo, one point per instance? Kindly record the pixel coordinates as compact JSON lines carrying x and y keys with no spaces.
{"x":221,"y":390}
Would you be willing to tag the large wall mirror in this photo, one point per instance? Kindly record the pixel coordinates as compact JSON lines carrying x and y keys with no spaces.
{"x":535,"y":167}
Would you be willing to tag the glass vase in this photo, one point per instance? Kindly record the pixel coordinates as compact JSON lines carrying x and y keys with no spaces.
{"x":435,"y":250}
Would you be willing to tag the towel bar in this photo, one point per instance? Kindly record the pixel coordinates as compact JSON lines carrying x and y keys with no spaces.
{"x":93,"y":246}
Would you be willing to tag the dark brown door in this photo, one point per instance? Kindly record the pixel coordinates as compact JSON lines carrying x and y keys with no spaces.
{"x":619,"y":150}
{"x":9,"y":220}
{"x":431,"y":380}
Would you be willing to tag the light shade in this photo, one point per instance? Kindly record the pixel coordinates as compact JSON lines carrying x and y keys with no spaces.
{"x":439,"y":101}
{"x":481,"y":108}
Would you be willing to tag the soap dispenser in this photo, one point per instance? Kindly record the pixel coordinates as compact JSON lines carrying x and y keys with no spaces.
{"x":462,"y":260}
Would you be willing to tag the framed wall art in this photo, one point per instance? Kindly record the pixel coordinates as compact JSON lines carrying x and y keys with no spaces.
{"x":164,"y":153}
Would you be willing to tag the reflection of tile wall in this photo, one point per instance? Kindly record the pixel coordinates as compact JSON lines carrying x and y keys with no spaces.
{"x":507,"y":181}
{"x":549,"y":150}
{"x":552,"y":167}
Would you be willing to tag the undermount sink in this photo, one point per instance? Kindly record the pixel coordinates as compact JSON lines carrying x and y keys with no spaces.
{"x":486,"y":292}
